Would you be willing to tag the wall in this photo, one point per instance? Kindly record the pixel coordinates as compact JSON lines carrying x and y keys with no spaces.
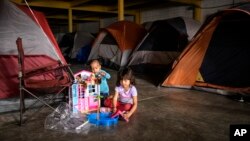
{"x":166,"y":13}
{"x":91,"y":27}
{"x":208,"y":7}
{"x":212,"y":6}
{"x":107,"y":21}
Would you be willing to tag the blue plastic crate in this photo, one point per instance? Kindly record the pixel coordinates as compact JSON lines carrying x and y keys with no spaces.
{"x":104,"y":120}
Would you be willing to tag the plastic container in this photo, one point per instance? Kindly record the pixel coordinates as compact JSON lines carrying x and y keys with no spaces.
{"x":104,"y":120}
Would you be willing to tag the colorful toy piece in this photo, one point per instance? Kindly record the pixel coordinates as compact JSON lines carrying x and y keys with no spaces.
{"x":83,"y":95}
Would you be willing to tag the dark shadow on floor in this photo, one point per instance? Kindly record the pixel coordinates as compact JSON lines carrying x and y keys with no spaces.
{"x":155,"y":79}
{"x":154,"y":74}
{"x":239,"y":98}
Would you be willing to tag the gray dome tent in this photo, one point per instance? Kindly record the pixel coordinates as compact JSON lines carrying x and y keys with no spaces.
{"x":162,"y":45}
{"x":115,"y":43}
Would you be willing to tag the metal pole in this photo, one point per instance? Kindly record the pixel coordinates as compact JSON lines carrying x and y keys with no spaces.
{"x":70,"y":20}
{"x":120,"y":10}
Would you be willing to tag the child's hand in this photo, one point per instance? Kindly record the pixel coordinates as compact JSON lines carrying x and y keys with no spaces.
{"x":126,"y":115}
{"x":114,"y":109}
{"x":103,"y":73}
{"x":110,"y":96}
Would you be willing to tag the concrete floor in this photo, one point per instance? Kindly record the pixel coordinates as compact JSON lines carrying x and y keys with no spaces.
{"x":164,"y":114}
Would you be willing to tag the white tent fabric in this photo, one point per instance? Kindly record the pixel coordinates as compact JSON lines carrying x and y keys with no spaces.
{"x":81,"y":39}
{"x":15,"y":23}
{"x":94,"y":51}
{"x":192,"y":27}
{"x":39,"y":44}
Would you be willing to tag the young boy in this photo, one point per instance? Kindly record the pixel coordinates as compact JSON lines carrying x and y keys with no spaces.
{"x":103,"y":76}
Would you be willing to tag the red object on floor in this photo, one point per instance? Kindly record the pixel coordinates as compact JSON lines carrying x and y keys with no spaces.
{"x":120,"y":106}
{"x":119,"y":113}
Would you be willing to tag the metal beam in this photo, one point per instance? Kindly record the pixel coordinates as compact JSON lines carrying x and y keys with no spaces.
{"x":94,"y":8}
{"x":59,"y":17}
{"x":78,"y":2}
{"x":17,"y":1}
{"x":89,"y":19}
{"x":64,"y":17}
{"x":70,"y":20}
{"x":50,"y":4}
{"x":134,"y":3}
{"x":120,"y":10}
{"x":138,"y":17}
{"x":73,"y":5}
{"x":198,"y":14}
{"x":67,"y":5}
{"x":196,"y":3}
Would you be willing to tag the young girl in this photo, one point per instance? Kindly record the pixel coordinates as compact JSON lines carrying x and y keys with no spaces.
{"x":125,"y":98}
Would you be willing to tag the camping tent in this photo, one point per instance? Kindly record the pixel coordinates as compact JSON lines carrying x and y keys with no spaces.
{"x":162,"y":45}
{"x":218,"y":56}
{"x":82,"y":46}
{"x":66,"y":44}
{"x":115,"y":43}
{"x":40,"y":46}
{"x":191,"y":25}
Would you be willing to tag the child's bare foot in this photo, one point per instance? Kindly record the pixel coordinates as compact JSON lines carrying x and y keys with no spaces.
{"x":123,"y":114}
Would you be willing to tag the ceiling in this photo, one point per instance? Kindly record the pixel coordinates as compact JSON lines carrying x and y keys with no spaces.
{"x":94,"y":10}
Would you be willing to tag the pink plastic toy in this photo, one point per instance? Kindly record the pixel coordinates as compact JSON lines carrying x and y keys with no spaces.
{"x":83,"y":93}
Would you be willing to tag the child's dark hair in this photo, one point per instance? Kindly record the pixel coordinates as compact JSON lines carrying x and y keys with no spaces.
{"x":126,"y":73}
{"x":95,"y":60}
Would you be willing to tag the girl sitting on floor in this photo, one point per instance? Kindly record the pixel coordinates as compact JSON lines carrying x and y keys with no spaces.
{"x":124,"y":102}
